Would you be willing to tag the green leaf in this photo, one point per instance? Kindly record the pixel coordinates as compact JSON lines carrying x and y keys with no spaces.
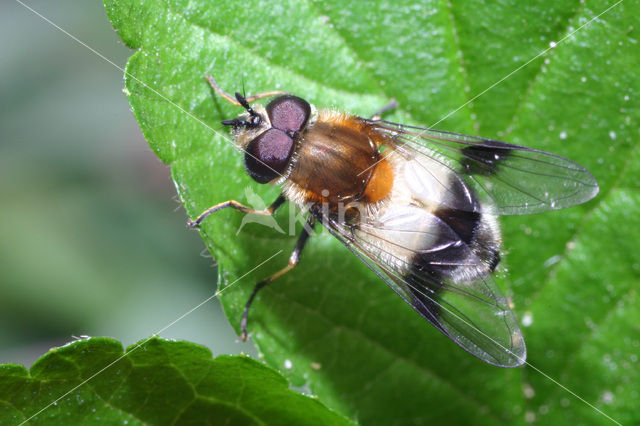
{"x":331,"y":323}
{"x":156,"y":382}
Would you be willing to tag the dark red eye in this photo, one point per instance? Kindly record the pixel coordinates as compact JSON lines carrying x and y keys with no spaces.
{"x":289,"y":113}
{"x":267,"y":156}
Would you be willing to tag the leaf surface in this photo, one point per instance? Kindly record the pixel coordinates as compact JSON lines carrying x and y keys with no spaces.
{"x":572,"y":275}
{"x":155,"y":382}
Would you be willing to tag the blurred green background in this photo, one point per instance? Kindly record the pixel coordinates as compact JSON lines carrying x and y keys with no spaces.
{"x":92,"y":238}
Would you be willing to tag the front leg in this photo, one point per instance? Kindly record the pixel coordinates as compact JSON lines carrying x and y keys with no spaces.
{"x":236,"y":205}
{"x":228,"y":97}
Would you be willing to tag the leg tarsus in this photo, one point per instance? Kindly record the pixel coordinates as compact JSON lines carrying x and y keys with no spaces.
{"x":245,"y":314}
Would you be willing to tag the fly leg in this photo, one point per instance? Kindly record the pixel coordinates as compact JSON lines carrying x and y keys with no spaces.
{"x":378,"y":114}
{"x":233,"y":99}
{"x":236,"y":205}
{"x":293,"y":261}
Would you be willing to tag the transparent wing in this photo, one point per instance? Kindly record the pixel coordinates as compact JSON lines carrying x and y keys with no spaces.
{"x":509,"y":179}
{"x":473,"y":313}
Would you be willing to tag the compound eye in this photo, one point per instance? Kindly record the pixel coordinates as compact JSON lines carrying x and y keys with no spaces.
{"x":289,"y":113}
{"x":267,"y":156}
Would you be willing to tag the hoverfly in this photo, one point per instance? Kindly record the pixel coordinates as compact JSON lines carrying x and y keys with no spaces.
{"x":418,"y":206}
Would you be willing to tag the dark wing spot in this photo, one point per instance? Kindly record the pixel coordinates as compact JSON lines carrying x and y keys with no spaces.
{"x":483,"y":160}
